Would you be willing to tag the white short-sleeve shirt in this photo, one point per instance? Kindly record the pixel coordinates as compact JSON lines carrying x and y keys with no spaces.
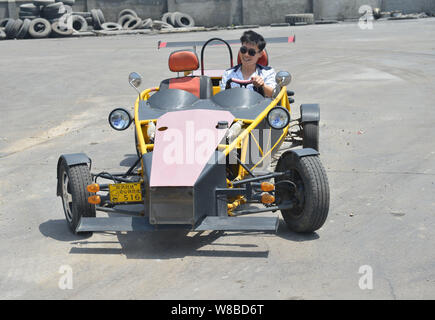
{"x":267,"y":73}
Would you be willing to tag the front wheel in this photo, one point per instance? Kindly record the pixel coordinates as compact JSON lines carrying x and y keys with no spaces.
{"x":306,"y":187}
{"x":75,"y":195}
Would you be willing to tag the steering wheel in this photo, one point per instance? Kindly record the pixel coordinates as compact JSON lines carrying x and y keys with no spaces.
{"x":243,"y":83}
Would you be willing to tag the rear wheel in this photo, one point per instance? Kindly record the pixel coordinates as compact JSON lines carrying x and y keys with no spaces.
{"x":306,"y":186}
{"x":311,"y":135}
{"x":74,"y":194}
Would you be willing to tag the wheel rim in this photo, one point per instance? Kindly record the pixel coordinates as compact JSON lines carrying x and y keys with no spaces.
{"x":67,"y":198}
{"x":296,"y":196}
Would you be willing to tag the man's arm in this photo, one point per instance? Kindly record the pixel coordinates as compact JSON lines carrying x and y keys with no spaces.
{"x":260,"y":82}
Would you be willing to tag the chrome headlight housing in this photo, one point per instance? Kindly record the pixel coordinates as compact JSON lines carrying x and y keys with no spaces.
{"x":278,"y":118}
{"x":120,"y":119}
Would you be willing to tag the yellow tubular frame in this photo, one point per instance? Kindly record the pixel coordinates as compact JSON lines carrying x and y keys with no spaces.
{"x":143,"y":148}
{"x":239,"y":142}
{"x":282,"y":97}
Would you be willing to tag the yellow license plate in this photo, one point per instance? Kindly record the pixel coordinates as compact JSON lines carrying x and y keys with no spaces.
{"x":125,"y":192}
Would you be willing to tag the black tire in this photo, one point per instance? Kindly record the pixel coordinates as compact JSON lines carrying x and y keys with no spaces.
{"x":74,"y":195}
{"x":111,"y":26}
{"x":311,"y":196}
{"x":61,"y":31}
{"x":68,"y":9}
{"x":158,"y":25}
{"x":24,"y":30}
{"x":311,"y":135}
{"x":67,"y":2}
{"x":101,"y":16}
{"x":12,"y":28}
{"x":39,"y":28}
{"x":42,"y":2}
{"x":172,"y":19}
{"x":2,"y":35}
{"x":54,"y":12}
{"x":25,"y":16}
{"x":96,"y":23}
{"x":167,"y":17}
{"x":147,"y":23}
{"x":126,"y":17}
{"x":132,"y":24}
{"x":4,"y":22}
{"x":79,"y":23}
{"x":127,"y":12}
{"x":83,"y":14}
{"x":182,"y":20}
{"x":29,"y":8}
{"x":53,"y":7}
{"x":8,"y":26}
{"x":294,"y":19}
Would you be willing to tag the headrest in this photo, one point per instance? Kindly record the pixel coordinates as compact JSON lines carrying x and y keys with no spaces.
{"x":183,"y":60}
{"x":263,"y":61}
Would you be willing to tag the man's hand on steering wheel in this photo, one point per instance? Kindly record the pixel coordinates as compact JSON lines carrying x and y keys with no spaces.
{"x":257,"y":81}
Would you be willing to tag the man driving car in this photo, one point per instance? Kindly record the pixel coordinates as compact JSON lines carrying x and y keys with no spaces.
{"x":262,"y":77}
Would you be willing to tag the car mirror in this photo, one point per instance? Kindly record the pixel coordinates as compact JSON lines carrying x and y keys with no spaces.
{"x":135,"y":79}
{"x":283,"y":78}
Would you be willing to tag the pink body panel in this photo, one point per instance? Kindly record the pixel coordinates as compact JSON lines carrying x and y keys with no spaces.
{"x":183,"y":149}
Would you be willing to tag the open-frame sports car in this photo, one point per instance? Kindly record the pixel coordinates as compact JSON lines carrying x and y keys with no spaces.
{"x":203,"y":159}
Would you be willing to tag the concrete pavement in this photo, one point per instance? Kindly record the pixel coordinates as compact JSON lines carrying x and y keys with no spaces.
{"x":376,"y":91}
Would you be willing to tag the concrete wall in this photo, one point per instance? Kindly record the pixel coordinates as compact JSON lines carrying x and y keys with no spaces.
{"x":210,"y":12}
{"x":144,"y":8}
{"x":407,"y":6}
{"x":228,"y":12}
{"x":272,"y":11}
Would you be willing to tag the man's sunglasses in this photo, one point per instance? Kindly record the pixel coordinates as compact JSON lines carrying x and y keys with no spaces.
{"x":251,"y":51}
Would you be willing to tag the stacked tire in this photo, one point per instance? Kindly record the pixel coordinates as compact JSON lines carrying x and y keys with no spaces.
{"x":128,"y":19}
{"x":178,"y":20}
{"x":44,"y":18}
{"x":299,"y":19}
{"x":29,"y":11}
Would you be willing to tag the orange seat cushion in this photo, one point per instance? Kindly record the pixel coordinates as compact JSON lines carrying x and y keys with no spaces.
{"x":190,"y":84}
{"x":183,"y":60}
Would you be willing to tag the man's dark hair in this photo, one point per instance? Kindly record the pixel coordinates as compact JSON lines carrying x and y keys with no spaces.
{"x":253,"y":38}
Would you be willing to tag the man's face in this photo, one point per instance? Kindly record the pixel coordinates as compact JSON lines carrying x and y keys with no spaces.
{"x":246,"y":58}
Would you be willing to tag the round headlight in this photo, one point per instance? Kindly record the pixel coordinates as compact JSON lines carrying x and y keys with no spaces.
{"x":119,"y":119}
{"x":278,"y":118}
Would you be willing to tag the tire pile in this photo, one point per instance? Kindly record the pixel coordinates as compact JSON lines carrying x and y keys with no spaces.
{"x":44,"y":18}
{"x":177,"y":20}
{"x":56,"y":18}
{"x":129,"y":20}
